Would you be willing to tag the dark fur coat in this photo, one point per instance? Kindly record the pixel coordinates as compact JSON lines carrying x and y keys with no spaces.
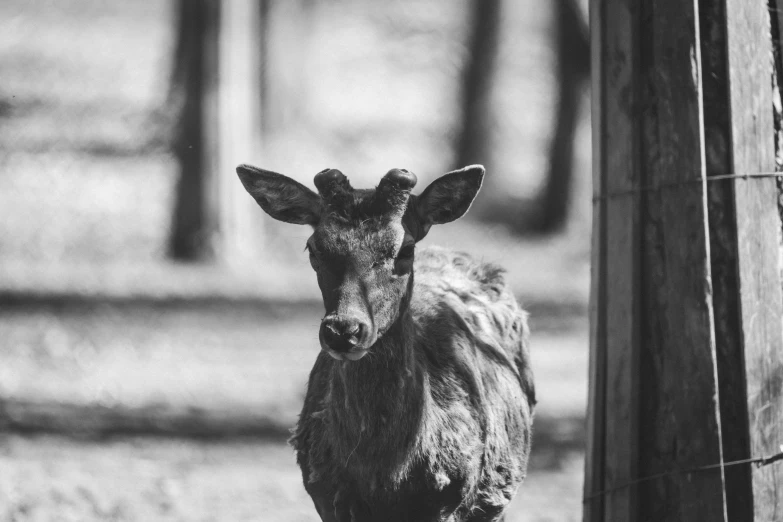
{"x":434,"y":424}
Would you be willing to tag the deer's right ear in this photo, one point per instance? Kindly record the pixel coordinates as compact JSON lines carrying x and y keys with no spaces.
{"x":280,"y":196}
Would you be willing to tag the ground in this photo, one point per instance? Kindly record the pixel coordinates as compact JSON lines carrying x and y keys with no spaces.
{"x":229,"y":359}
{"x":55,"y":479}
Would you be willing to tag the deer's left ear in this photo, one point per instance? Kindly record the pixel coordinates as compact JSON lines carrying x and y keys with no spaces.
{"x":280,"y":196}
{"x":449,"y":197}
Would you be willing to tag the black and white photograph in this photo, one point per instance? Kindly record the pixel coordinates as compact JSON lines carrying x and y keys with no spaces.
{"x":391,"y":261}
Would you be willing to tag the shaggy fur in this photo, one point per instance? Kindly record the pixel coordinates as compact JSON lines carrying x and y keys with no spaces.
{"x":436,"y":421}
{"x":431,"y":418}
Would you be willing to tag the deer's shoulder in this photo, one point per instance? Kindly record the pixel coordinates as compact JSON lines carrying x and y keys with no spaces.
{"x":444,"y":275}
{"x":454,"y":291}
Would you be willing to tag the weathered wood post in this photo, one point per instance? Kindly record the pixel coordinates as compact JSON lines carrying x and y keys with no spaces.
{"x":744,"y":227}
{"x":683,"y":376}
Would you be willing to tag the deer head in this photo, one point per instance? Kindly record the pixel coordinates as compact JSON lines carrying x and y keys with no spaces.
{"x":363,"y":242}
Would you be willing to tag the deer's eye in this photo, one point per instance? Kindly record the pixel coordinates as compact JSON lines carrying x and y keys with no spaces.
{"x":314,"y":261}
{"x":404,"y":262}
{"x":406,"y":252}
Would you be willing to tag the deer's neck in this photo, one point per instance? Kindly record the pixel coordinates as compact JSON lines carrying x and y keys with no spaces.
{"x":386,"y":379}
{"x":377,"y":402}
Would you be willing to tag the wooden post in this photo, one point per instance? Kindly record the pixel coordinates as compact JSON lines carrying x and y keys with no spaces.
{"x":615,"y":297}
{"x":596,"y":397}
{"x":679,"y":420}
{"x":684,"y":95}
{"x":744,"y":228}
{"x":723,"y":253}
{"x":660,"y":413}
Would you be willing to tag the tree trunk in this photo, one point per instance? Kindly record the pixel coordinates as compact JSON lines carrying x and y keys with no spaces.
{"x":573,"y":69}
{"x":474,"y":141}
{"x":239,"y":120}
{"x":288,"y":27}
{"x":264,"y":63}
{"x":195,"y":76}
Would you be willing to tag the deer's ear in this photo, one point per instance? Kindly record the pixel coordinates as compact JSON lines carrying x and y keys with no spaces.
{"x":280,"y":196}
{"x":449,"y":197}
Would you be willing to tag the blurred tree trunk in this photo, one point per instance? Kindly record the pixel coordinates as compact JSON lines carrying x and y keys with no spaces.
{"x":474,"y":140}
{"x":573,"y":70}
{"x":194,"y":84}
{"x":264,"y":62}
{"x":288,"y":26}
{"x":242,"y":37}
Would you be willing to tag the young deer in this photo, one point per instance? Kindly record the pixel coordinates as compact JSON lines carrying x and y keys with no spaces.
{"x":420,"y":404}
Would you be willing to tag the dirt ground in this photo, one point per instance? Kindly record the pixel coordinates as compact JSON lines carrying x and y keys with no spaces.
{"x":54,"y":479}
{"x":242,"y":359}
{"x":219,"y":356}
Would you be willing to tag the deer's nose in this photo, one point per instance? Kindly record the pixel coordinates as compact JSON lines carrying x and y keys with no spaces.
{"x":342,"y":334}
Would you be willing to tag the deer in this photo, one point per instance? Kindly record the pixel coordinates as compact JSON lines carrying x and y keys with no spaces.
{"x":419,"y":406}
